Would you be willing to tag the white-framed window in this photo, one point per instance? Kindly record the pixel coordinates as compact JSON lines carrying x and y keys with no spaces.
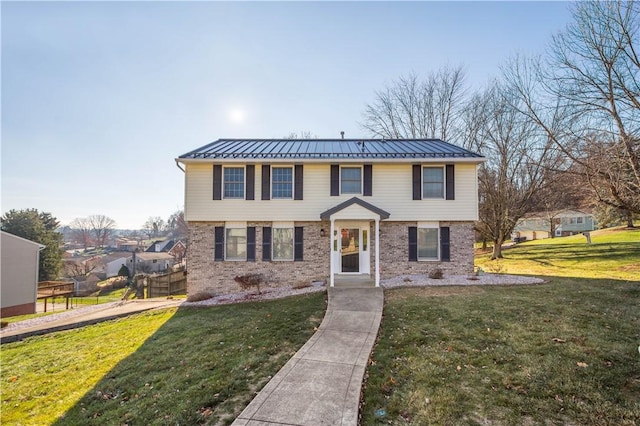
{"x":282,"y":243}
{"x":433,"y":182}
{"x":580,"y":219}
{"x":233,"y":182}
{"x":235,"y":243}
{"x":282,"y":182}
{"x":428,"y":241}
{"x":351,"y":180}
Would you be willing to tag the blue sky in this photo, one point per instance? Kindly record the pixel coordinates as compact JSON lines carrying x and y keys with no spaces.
{"x":98,"y":98}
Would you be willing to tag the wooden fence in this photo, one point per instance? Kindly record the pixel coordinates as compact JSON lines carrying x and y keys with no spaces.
{"x":167,"y":284}
{"x":47,"y":289}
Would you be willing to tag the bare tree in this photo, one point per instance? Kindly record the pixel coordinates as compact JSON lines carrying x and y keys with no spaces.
{"x":153,"y":226}
{"x":518,"y":158}
{"x":81,"y":229}
{"x":591,"y":82}
{"x":418,"y":108}
{"x":302,"y":135}
{"x":102,"y":227}
{"x":177,"y":225}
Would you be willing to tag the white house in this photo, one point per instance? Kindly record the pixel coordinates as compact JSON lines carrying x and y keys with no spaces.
{"x":540,"y":225}
{"x":303,"y":210}
{"x":150,"y":262}
{"x":19,"y":276}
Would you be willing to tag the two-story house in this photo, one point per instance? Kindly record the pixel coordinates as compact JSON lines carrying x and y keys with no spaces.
{"x":559,"y":223}
{"x":303,"y":210}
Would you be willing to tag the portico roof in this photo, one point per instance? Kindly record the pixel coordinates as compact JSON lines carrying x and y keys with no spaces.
{"x":326,"y":215}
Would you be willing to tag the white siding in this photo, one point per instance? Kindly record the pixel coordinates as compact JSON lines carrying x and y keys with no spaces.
{"x":19,"y":270}
{"x":392,"y":191}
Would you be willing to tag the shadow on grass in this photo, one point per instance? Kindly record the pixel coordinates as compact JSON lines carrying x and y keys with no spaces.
{"x":202,"y":366}
{"x":564,"y":352}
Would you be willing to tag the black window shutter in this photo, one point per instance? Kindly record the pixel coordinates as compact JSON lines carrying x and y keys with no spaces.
{"x":298,"y":171}
{"x":266,"y":181}
{"x":413,"y":244}
{"x":451,"y":186}
{"x":298,"y":243}
{"x":217,"y":181}
{"x":251,"y":243}
{"x":445,"y":246}
{"x":251,"y":181}
{"x":417,"y":182}
{"x":219,"y":245}
{"x":368,"y":180}
{"x":266,"y":243}
{"x":335,"y":180}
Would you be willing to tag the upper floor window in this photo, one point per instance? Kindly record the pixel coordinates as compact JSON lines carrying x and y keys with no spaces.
{"x":351,"y":180}
{"x":282,"y":182}
{"x":233,"y":182}
{"x":432,"y":182}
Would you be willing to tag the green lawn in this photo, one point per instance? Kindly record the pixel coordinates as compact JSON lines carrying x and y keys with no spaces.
{"x":564,"y":352}
{"x":487,"y":355}
{"x":613,"y":253}
{"x":185,"y":366}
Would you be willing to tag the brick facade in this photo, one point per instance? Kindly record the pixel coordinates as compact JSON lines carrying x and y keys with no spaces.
{"x":205,"y":274}
{"x":394,"y":250}
{"x":216,"y":277}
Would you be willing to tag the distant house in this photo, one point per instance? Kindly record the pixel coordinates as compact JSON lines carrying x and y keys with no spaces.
{"x":150,"y":262}
{"x":538,"y":226}
{"x":20,"y":262}
{"x":113,"y":262}
{"x":177,"y":249}
{"x":125,"y":244}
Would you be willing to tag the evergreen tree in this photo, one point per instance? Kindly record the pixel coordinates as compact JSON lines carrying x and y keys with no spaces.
{"x":39,"y":227}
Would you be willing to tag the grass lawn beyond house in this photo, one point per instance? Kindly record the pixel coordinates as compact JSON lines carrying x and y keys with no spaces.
{"x":613,"y":253}
{"x":183,"y":366}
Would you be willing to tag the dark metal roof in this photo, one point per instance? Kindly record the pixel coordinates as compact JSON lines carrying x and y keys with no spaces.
{"x":328,"y":149}
{"x":355,"y":200}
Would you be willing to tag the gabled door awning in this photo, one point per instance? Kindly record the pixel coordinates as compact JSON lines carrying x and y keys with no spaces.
{"x":326,"y":215}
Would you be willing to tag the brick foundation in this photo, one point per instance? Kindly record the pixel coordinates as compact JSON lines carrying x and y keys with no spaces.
{"x":216,"y":277}
{"x":12,"y":311}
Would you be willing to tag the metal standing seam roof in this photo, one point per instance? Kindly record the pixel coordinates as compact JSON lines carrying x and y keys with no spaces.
{"x":328,"y":149}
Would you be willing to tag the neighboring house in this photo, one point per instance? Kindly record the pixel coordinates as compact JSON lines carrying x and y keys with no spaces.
{"x":177,"y":249}
{"x":113,"y":263}
{"x":19,"y":276}
{"x":303,"y":210}
{"x":125,"y":244}
{"x":150,"y":262}
{"x":538,"y":226}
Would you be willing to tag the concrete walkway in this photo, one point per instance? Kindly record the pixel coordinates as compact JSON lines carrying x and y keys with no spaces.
{"x":82,"y":317}
{"x":321,"y":384}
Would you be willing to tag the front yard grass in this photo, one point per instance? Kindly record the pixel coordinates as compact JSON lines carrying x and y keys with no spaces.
{"x":172,"y":366}
{"x":565,"y":352}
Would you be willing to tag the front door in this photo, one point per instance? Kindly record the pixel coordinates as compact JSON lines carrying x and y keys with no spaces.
{"x":350,"y":249}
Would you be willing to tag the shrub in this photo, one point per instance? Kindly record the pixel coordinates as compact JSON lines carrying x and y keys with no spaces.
{"x":250,"y":280}
{"x":436,"y":274}
{"x":201,"y":295}
{"x":124,"y":271}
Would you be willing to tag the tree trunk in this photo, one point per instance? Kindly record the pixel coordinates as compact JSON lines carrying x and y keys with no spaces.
{"x":484,"y":243}
{"x":629,"y":219}
{"x":497,"y":249}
